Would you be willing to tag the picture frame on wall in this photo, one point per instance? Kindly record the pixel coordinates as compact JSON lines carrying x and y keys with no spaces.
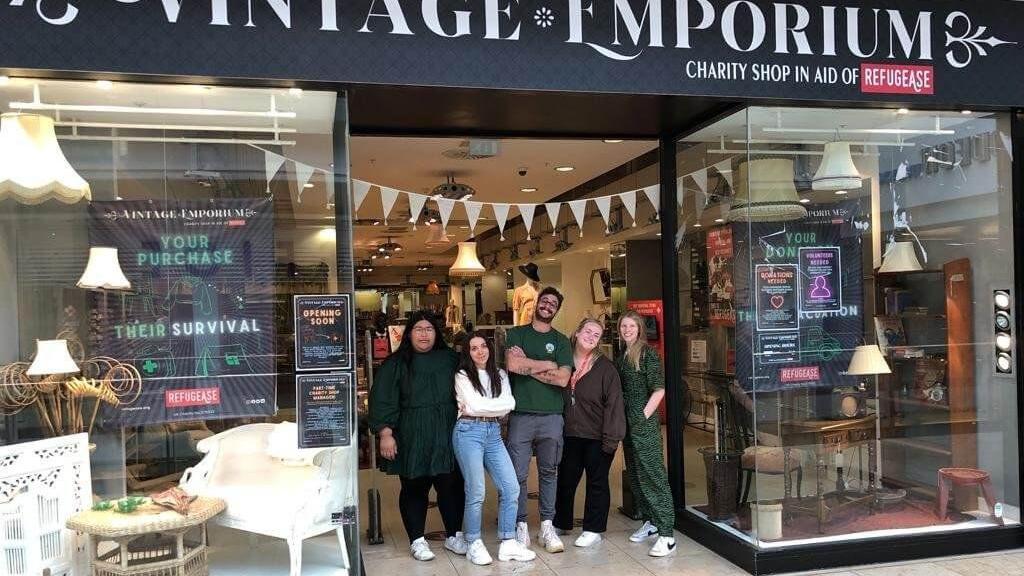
{"x":601,"y":285}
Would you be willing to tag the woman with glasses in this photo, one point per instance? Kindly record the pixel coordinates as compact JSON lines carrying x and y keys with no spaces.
{"x":594,"y":425}
{"x":484,"y":397}
{"x":413,"y":411}
{"x":643,"y":387}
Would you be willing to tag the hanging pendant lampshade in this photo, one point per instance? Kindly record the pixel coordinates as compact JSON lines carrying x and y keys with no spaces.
{"x":103,"y":271}
{"x":52,"y":357}
{"x":466,"y":263}
{"x":900,"y":257}
{"x":868,"y":360}
{"x":437,"y":236}
{"x":33,"y":168}
{"x":765,"y":192}
{"x":837,"y":170}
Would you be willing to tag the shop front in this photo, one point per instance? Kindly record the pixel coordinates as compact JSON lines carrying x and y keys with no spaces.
{"x":813,"y":211}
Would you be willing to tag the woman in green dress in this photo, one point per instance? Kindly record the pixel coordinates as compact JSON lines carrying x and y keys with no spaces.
{"x":642,"y":389}
{"x":413,"y":411}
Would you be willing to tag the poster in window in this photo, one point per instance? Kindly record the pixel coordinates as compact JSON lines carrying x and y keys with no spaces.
{"x":323,"y":332}
{"x":775,"y":286}
{"x":323,"y":408}
{"x":198,"y":321}
{"x":721,"y":287}
{"x":821,"y":286}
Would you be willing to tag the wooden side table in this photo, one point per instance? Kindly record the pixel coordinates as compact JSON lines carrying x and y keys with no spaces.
{"x":146,"y":543}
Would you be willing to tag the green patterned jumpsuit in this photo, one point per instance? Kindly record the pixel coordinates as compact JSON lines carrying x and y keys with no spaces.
{"x":645,"y":462}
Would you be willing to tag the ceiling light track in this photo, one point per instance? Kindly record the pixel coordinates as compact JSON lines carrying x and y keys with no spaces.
{"x":177,"y":140}
{"x":176,"y":127}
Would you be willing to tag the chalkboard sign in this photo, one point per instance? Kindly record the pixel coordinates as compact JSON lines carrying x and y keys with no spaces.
{"x":323,"y":332}
{"x":324,"y":409}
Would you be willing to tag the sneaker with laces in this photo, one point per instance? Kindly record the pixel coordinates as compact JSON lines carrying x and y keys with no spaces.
{"x":549,"y":539}
{"x":523,"y":534}
{"x":587,"y":539}
{"x":663,"y":546}
{"x":478,"y":554}
{"x":644,"y":532}
{"x":421,"y":550}
{"x":514,"y":550}
{"x":457,"y":544}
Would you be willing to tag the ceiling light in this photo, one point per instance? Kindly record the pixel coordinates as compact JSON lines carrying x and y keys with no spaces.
{"x":42,"y":106}
{"x":903,"y":111}
{"x":463,"y":227}
{"x":307,"y":185}
{"x":765,"y":192}
{"x":297,"y":92}
{"x":1004,"y":363}
{"x":33,"y":168}
{"x":104,"y":84}
{"x":1002,"y":299}
{"x":389,"y":246}
{"x":527,"y":189}
{"x":550,"y":259}
{"x":611,"y":141}
{"x":805,"y":200}
{"x":719,"y":220}
{"x":965,"y":112}
{"x":564,"y":168}
{"x":900,"y":257}
{"x":697,"y":225}
{"x":452,"y":190}
{"x":376,"y":222}
{"x":841,"y":192}
{"x":1004,"y":342}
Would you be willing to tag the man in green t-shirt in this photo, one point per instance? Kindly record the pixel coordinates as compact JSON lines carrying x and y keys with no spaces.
{"x":539,"y":359}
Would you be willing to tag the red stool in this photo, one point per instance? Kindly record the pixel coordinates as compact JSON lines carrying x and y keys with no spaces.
{"x":964,"y":477}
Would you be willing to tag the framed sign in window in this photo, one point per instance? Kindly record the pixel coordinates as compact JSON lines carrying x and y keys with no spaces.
{"x":323,"y":332}
{"x":323,"y":409}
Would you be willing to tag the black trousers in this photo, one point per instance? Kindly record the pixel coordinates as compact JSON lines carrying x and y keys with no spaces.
{"x":415,"y":495}
{"x":584,"y":455}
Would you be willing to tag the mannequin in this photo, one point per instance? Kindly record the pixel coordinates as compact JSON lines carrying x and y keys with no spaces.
{"x":525,"y":296}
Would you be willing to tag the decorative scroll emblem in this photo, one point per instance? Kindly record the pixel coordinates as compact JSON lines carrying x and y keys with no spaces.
{"x":962,"y":48}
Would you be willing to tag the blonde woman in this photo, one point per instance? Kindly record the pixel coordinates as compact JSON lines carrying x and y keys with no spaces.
{"x":643,"y":388}
{"x":594,"y":425}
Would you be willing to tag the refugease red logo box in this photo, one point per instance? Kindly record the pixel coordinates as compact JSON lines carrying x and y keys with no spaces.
{"x":896,"y":79}
{"x":800,"y":374}
{"x":192,"y":397}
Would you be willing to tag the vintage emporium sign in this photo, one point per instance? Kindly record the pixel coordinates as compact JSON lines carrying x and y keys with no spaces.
{"x":198,"y":323}
{"x":929,"y":51}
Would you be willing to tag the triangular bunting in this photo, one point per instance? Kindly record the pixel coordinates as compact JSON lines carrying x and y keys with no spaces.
{"x":579,"y":211}
{"x":701,"y":178}
{"x":387,"y":200}
{"x":444,"y":206}
{"x":653,"y":194}
{"x":527,"y":210}
{"x":416,"y":202}
{"x":629,"y":201}
{"x":500,"y":216}
{"x":303,"y":172}
{"x":680,"y":190}
{"x":472,"y":214}
{"x":604,"y":206}
{"x":273,"y":163}
{"x":553,"y":208}
{"x":725,"y":169}
{"x":359,"y":191}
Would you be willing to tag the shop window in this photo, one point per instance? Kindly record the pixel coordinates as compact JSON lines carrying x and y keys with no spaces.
{"x":846,"y":289}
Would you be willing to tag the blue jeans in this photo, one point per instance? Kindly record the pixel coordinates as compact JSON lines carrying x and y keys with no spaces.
{"x":478,"y":447}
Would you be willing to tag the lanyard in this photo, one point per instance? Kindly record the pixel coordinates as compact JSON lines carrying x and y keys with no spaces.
{"x":577,"y":375}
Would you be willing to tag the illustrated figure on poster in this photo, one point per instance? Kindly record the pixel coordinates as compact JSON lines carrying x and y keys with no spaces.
{"x":820,"y":289}
{"x":524,"y":298}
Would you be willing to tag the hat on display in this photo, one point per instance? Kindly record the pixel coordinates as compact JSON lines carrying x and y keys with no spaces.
{"x":837,"y":170}
{"x":765,"y":192}
{"x":530,"y":271}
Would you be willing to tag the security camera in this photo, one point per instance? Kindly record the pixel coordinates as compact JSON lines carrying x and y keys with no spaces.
{"x":522,"y":170}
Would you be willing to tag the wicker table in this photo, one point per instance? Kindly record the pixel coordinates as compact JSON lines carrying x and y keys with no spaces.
{"x":148,"y":542}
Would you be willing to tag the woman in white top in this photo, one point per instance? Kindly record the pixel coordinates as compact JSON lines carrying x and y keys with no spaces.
{"x":484,"y":396}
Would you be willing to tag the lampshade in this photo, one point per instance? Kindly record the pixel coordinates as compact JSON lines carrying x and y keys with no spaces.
{"x":837,"y":170}
{"x":103,"y":271}
{"x":32,"y":167}
{"x":868,"y":360}
{"x":900,"y":257}
{"x":466,"y":263}
{"x":433,"y":288}
{"x":437,"y":236}
{"x":52,"y":357}
{"x":765,"y":192}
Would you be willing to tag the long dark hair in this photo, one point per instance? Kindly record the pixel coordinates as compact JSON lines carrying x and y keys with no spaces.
{"x":406,"y":352}
{"x":467,"y":365}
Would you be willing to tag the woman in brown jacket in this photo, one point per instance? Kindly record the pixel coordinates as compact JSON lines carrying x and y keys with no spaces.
{"x":595,"y":423}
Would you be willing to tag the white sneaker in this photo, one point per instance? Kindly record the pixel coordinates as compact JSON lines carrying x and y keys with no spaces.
{"x":523,"y":534}
{"x":514,"y":550}
{"x":587,"y":539}
{"x":663,"y":546}
{"x":644,"y":532}
{"x":421,"y":550}
{"x":457,"y":544}
{"x":549,"y":539}
{"x":478,"y":554}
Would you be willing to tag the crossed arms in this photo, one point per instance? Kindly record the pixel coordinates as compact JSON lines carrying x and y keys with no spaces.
{"x":546,"y":371}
